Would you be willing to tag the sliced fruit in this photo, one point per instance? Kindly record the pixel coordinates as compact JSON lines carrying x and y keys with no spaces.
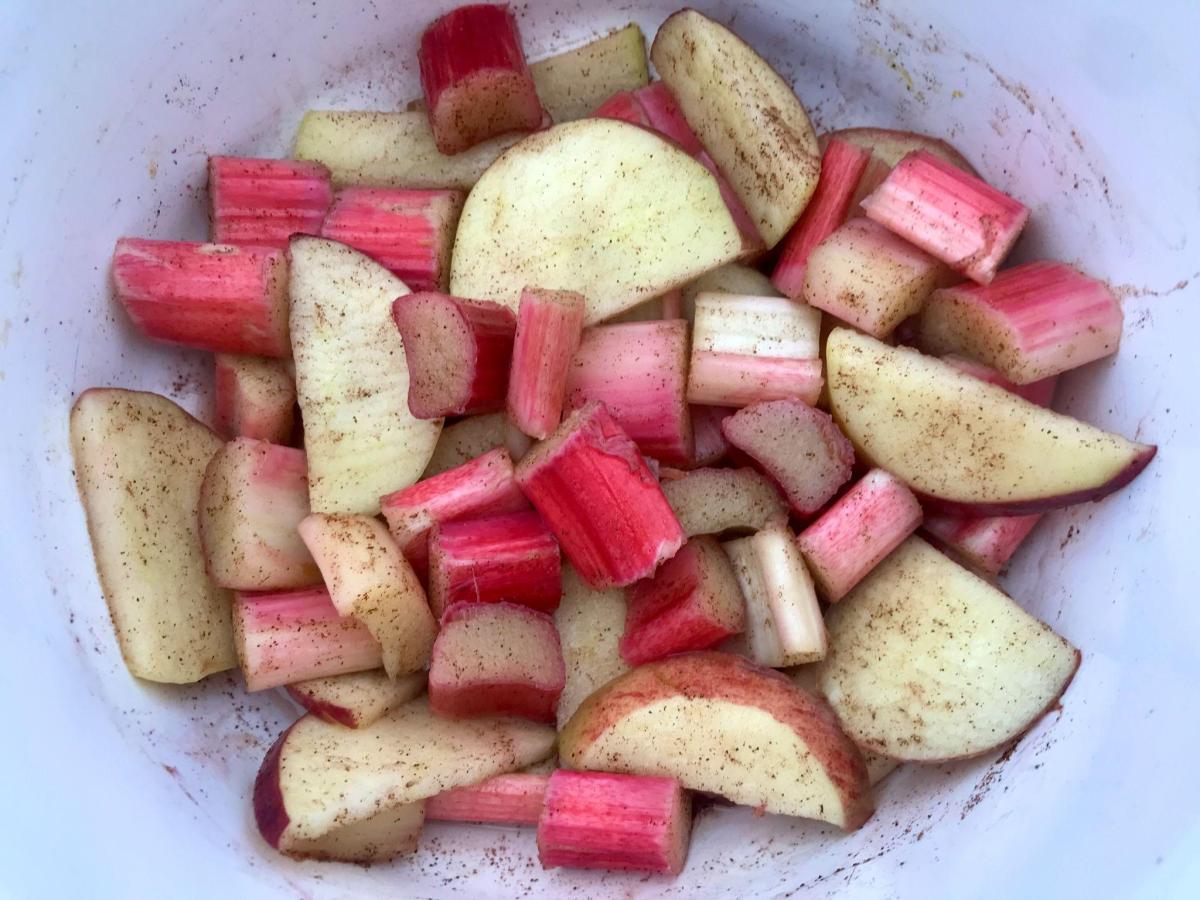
{"x":502,"y":800}
{"x":984,"y":544}
{"x":732,"y":278}
{"x":590,"y":624}
{"x":709,"y":446}
{"x":358,"y":699}
{"x":715,"y":501}
{"x":573,"y":83}
{"x":391,"y":832}
{"x":263,"y":202}
{"x":465,"y":440}
{"x":254,"y":397}
{"x":890,"y":146}
{"x":549,"y":327}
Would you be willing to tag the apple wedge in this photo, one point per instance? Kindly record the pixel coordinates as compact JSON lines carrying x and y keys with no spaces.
{"x":573,"y":83}
{"x":590,"y":624}
{"x":601,"y":207}
{"x":722,"y":724}
{"x":928,"y":662}
{"x":969,"y":446}
{"x":391,"y":832}
{"x":358,"y":699}
{"x":747,"y":116}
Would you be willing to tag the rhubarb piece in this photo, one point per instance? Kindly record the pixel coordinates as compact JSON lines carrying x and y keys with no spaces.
{"x":296,"y":635}
{"x":1039,"y":392}
{"x":666,"y":117}
{"x":732,"y":278}
{"x":1031,"y":322}
{"x":735,"y":379}
{"x":263,"y":202}
{"x":459,"y":352}
{"x":889,"y":146}
{"x":409,"y":232}
{"x":715,"y":501}
{"x":867,"y":276}
{"x":477,"y":83}
{"x":624,"y":106}
{"x":639,"y":372}
{"x":358,"y":699}
{"x":139,"y":465}
{"x":369,"y":579}
{"x":842,"y":166}
{"x":597,"y":495}
{"x":496,"y":659}
{"x":549,"y":324}
{"x":951,"y":214}
{"x":253,"y":496}
{"x":465,"y":440}
{"x":594,"y":820}
{"x":982,"y":543}
{"x":799,"y":447}
{"x":667,"y":306}
{"x":211,"y":296}
{"x":693,"y":602}
{"x":503,"y":800}
{"x":254,"y":397}
{"x":590,"y":624}
{"x":709,"y":444}
{"x":854,"y":535}
{"x":572,"y":83}
{"x":510,"y":557}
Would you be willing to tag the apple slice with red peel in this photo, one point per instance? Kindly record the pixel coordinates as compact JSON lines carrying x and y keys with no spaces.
{"x":357,"y":699}
{"x":590,"y":624}
{"x":970,"y":447}
{"x":716,"y":501}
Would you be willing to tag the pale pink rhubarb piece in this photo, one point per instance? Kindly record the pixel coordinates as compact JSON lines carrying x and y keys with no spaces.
{"x":797,"y":446}
{"x":597,"y":820}
{"x":1039,"y":392}
{"x":716,"y":501}
{"x":842,"y":167}
{"x":511,"y":557}
{"x":950,"y":214}
{"x":709,"y":444}
{"x":496,"y":659}
{"x":600,"y":499}
{"x":458,"y":353}
{"x":985,"y":544}
{"x":854,"y":535}
{"x":409,"y":232}
{"x":476,"y":80}
{"x":735,"y":379}
{"x":1031,"y":322}
{"x":357,"y":699}
{"x":254,"y":397}
{"x":296,"y":635}
{"x":639,"y":371}
{"x":693,"y":602}
{"x":211,"y":296}
{"x":549,"y":326}
{"x":263,"y":202}
{"x":501,"y":800}
{"x":664,"y":115}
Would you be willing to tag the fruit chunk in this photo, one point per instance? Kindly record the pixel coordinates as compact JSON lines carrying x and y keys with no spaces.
{"x":571,"y":84}
{"x":951,"y":214}
{"x":692,"y":603}
{"x":549,"y":325}
{"x":799,"y":447}
{"x":391,"y":832}
{"x":1031,"y":322}
{"x":296,"y":635}
{"x":709,"y":446}
{"x":713,"y":501}
{"x":984,"y":543}
{"x":263,"y":202}
{"x":890,"y":146}
{"x":254,"y":397}
{"x":503,"y":800}
{"x":744,"y":114}
{"x":928,"y":662}
{"x":969,"y":445}
{"x":593,"y":820}
{"x":358,"y":699}
{"x":590,"y":624}
{"x":722,"y":724}
{"x":853,"y":536}
{"x":596,"y":494}
{"x":369,"y":579}
{"x":212,"y":296}
{"x":352,"y":379}
{"x":496,"y":659}
{"x":639,"y":371}
{"x":139,"y":463}
{"x":465,"y":440}
{"x":507,"y":557}
{"x":1039,"y":392}
{"x":253,"y":496}
{"x":647,"y":219}
{"x":458,"y":351}
{"x":732,"y":278}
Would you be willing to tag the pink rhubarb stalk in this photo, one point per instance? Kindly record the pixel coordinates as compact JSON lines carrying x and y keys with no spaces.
{"x":734,"y":379}
{"x":710,"y":446}
{"x":1039,"y":392}
{"x":264,"y":202}
{"x":549,"y":327}
{"x":985,"y":544}
{"x":253,"y":397}
{"x":502,"y":800}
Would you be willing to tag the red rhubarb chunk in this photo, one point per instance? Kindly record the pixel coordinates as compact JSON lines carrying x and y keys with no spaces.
{"x":264,"y":202}
{"x":710,"y":446}
{"x":253,"y":397}
{"x":502,"y":800}
{"x":982,"y":543}
{"x":549,"y":326}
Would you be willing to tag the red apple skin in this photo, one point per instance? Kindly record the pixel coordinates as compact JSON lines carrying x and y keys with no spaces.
{"x":330,"y":712}
{"x":270,"y":813}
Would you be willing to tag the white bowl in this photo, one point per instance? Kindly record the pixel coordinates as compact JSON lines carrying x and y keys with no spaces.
{"x":1088,"y":112}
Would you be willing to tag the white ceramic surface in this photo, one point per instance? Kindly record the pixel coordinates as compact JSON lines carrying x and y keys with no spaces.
{"x":1087,"y":111}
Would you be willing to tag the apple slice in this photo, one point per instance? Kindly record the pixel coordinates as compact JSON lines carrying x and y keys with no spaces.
{"x":600,"y":207}
{"x":358,"y":699}
{"x":139,"y":464}
{"x":391,"y":832}
{"x":590,"y":624}
{"x":972,"y":447}
{"x":928,"y":662}
{"x":465,"y":440}
{"x":714,"y":501}
{"x":573,"y":83}
{"x":722,"y":724}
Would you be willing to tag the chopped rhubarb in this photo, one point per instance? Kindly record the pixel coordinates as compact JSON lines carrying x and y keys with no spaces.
{"x":854,"y":535}
{"x":458,"y":351}
{"x":693,"y":602}
{"x":869,"y":277}
{"x":842,"y":167}
{"x":624,"y":106}
{"x":496,"y":659}
{"x":639,"y":371}
{"x":985,"y":543}
{"x":600,"y":499}
{"x":263,"y":202}
{"x":709,"y":444}
{"x":357,"y":699}
{"x":211,"y":296}
{"x":950,"y":214}
{"x":1031,"y":322}
{"x":799,"y":447}
{"x":410,"y":232}
{"x":715,"y":501}
{"x":466,"y":439}
{"x":1039,"y":392}
{"x":501,"y":800}
{"x":510,"y":557}
{"x":597,"y":820}
{"x":254,"y":397}
{"x":549,"y":326}
{"x":736,"y":380}
{"x":296,"y":635}
{"x":476,"y":80}
{"x":666,"y":117}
